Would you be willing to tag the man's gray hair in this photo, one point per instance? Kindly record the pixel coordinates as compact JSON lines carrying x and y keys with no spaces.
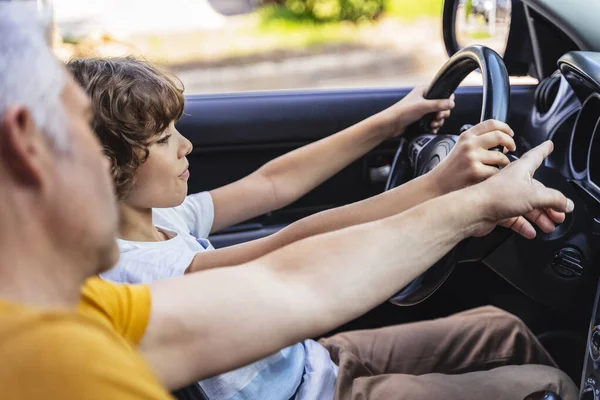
{"x":30,"y":75}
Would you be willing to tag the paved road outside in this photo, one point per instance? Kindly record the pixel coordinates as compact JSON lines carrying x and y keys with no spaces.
{"x":395,"y":55}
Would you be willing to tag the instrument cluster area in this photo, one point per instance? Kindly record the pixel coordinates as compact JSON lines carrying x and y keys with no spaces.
{"x":584,"y":149}
{"x":581,"y":69}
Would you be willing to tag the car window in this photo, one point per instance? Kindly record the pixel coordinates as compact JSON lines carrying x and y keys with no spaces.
{"x":221,"y":46}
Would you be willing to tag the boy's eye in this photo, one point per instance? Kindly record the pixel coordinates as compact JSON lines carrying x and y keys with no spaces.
{"x":164,"y":140}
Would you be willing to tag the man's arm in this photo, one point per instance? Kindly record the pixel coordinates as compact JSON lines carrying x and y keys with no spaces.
{"x":289,"y":177}
{"x":223,"y":318}
{"x":217,"y":320}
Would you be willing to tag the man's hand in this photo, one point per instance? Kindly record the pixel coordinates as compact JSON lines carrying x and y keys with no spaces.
{"x":513,"y":191}
{"x":471,"y":161}
{"x":412,"y":108}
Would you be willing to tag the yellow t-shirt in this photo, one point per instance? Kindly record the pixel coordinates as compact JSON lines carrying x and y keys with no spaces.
{"x":90,"y":354}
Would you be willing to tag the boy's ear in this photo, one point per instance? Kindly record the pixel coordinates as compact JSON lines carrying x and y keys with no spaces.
{"x":23,"y":148}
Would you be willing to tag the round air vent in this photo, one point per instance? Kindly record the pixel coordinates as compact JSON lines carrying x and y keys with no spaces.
{"x":546,"y":92}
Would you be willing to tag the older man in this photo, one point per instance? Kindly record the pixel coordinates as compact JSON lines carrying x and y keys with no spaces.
{"x":65,"y":335}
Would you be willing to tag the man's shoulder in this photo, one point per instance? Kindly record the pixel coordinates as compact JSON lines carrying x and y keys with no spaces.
{"x":96,"y":290}
{"x":122,"y":308}
{"x":34,"y":331}
{"x":42,"y":341}
{"x":66,"y":355}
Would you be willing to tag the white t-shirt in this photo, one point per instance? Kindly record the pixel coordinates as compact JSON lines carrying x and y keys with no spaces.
{"x":303,"y":371}
{"x":188,"y":225}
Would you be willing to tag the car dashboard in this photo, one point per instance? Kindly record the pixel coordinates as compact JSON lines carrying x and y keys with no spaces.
{"x":590,"y":381}
{"x":567,"y":110}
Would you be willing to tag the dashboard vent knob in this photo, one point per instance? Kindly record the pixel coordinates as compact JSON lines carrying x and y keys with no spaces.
{"x":546,"y":92}
{"x":568,"y":262}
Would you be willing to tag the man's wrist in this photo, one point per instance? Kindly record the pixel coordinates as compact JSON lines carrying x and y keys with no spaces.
{"x":456,"y":215}
{"x":474,"y":206}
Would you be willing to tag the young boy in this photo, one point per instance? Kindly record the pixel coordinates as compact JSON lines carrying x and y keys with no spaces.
{"x":163,"y":232}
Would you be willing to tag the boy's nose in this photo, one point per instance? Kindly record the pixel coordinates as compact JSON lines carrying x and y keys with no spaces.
{"x":188,"y":146}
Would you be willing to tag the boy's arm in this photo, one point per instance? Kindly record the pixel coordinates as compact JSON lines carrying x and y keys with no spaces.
{"x":289,"y":177}
{"x":461,"y":168}
{"x":214,"y":321}
{"x":389,"y":203}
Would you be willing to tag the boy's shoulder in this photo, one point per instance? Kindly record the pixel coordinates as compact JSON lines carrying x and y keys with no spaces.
{"x":171,"y":219}
{"x":195,"y":215}
{"x":148,"y":264}
{"x":145,"y":262}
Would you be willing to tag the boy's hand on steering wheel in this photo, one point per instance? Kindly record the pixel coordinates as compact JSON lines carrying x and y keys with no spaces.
{"x":412,"y":108}
{"x":471,"y":161}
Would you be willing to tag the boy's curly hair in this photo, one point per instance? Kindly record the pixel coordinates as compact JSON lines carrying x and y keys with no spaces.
{"x":133,"y":101}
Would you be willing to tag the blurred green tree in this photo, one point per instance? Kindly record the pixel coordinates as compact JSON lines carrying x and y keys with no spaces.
{"x":334,"y":10}
{"x":468,"y":9}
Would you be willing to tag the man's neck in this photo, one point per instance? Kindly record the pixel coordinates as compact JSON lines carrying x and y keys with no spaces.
{"x":40,"y":266}
{"x":136,"y":224}
{"x":39,"y":278}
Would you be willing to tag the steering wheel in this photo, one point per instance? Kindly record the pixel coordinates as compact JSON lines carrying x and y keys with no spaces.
{"x":419,"y":152}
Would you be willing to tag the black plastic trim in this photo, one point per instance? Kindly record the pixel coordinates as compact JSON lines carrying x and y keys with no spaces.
{"x":582,"y":71}
{"x":583,"y":133}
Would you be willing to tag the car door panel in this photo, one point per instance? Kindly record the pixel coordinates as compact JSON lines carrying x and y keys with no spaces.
{"x":243,"y":233}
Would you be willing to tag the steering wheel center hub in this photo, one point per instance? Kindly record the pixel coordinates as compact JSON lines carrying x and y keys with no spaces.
{"x":426,"y":157}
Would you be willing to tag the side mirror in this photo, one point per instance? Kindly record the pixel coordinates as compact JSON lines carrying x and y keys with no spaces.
{"x":485,"y":22}
{"x":498,"y":24}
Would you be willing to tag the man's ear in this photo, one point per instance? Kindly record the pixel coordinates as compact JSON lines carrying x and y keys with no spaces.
{"x":22,"y":147}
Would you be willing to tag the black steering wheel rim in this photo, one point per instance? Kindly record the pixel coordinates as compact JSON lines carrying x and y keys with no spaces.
{"x":496,"y":84}
{"x":495,"y":105}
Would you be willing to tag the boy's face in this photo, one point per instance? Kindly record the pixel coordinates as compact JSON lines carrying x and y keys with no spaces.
{"x":162,"y":180}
